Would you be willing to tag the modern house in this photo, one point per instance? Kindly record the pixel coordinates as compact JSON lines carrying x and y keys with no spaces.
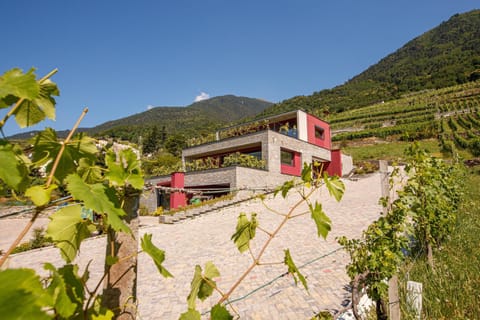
{"x":256,"y":155}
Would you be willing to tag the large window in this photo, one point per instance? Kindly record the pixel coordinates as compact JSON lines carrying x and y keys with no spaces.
{"x":287,"y":157}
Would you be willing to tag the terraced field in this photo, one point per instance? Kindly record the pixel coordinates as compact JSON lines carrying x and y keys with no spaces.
{"x":451,"y":115}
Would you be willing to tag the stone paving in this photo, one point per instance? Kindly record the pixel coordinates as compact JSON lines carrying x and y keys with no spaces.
{"x":207,"y":238}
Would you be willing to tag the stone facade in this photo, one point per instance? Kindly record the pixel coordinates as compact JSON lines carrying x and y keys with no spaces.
{"x":297,"y":136}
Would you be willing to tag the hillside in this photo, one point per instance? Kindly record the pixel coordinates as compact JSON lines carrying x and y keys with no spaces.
{"x":206,"y":113}
{"x":444,"y":56}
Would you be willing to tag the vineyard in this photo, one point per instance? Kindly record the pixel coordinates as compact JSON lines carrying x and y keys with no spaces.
{"x":451,"y":115}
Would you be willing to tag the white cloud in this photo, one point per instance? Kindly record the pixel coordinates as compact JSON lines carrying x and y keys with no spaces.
{"x":150,"y":107}
{"x":202,"y":96}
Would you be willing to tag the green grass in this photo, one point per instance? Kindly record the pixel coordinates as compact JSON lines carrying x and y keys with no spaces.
{"x":389,"y":150}
{"x":452,"y":289}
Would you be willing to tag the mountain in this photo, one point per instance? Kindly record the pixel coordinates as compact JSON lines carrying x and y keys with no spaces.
{"x":199,"y":116}
{"x":444,"y":56}
{"x":195,"y":119}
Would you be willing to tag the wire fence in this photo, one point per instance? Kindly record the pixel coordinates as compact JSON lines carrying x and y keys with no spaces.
{"x":32,"y":208}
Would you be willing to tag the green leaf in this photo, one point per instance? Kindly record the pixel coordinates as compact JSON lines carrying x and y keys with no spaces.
{"x":285,"y":188}
{"x":37,"y":104}
{"x":110,"y":261}
{"x":100,"y":198}
{"x":16,"y":83}
{"x":22,"y":295}
{"x":58,"y":290}
{"x":293,"y":270}
{"x":67,"y":229}
{"x":191,"y":314}
{"x":202,"y":285}
{"x":107,"y":315}
{"x":307,"y":174}
{"x":124,"y":169}
{"x":47,"y":146}
{"x":219,"y":312}
{"x":335,"y":186}
{"x":157,"y":255}
{"x":322,"y":221}
{"x":8,"y":101}
{"x":13,"y":166}
{"x":75,"y":287}
{"x":211,"y":271}
{"x":45,"y":100}
{"x":194,"y":287}
{"x":245,"y":231}
{"x":206,"y":288}
{"x":28,"y":114}
{"x":39,"y":195}
{"x":89,"y":172}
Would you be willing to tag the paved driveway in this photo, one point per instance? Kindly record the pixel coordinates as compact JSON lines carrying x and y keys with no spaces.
{"x":263,"y":294}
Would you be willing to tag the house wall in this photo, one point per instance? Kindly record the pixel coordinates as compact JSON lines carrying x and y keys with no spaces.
{"x":347,"y":164}
{"x":295,"y":169}
{"x":335,"y":166}
{"x":225,"y":176}
{"x":307,"y":151}
{"x":302,"y":125}
{"x":311,"y":123}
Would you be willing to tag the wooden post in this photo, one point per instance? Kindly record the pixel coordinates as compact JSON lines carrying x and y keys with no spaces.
{"x":393,"y":299}
{"x":119,"y":293}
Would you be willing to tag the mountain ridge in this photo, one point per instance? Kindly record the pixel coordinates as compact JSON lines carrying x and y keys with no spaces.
{"x":446,"y":55}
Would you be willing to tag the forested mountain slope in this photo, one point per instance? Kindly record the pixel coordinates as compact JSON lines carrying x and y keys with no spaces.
{"x":444,"y":56}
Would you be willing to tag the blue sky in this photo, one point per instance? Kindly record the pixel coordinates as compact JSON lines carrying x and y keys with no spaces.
{"x":122,"y":57}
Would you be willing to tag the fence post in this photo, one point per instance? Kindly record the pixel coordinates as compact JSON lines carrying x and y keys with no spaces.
{"x":393,"y":299}
{"x":414,"y":297}
{"x":383,"y":167}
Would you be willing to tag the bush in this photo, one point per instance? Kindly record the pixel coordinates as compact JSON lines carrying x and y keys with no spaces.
{"x":38,"y":241}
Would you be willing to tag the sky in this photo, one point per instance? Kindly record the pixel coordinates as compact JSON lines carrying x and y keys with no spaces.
{"x":120,"y":57}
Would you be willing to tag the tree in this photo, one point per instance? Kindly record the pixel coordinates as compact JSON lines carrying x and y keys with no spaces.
{"x":175,"y":144}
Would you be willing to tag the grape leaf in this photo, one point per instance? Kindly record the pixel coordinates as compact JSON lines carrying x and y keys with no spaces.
{"x":47,"y":146}
{"x":23,"y":286}
{"x":322,"y":221}
{"x":106,"y":315}
{"x":191,"y":314}
{"x":202,"y":285}
{"x":40,"y":195}
{"x":13,"y":166}
{"x":245,"y":231}
{"x":34,"y":109}
{"x":307,"y":174}
{"x":67,"y":229}
{"x":100,"y":198}
{"x":285,"y":188}
{"x":16,"y":83}
{"x":195,"y":287}
{"x":125,"y":170}
{"x":293,"y":270}
{"x":89,"y":172}
{"x":335,"y":186}
{"x":219,"y":312}
{"x":157,"y":255}
{"x":58,"y":290}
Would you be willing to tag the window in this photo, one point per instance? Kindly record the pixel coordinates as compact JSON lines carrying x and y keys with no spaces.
{"x":319,"y":133}
{"x":287,"y":157}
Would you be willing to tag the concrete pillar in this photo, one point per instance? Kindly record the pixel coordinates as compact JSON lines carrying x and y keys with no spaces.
{"x":178,"y":198}
{"x":335,"y":165}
